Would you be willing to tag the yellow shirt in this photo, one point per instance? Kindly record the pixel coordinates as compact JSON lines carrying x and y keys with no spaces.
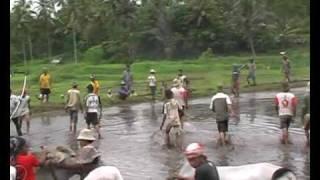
{"x":45,"y":81}
{"x":96,"y":87}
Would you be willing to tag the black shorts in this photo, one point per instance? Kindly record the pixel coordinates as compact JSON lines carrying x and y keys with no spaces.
{"x":222,"y":126}
{"x":92,"y":118}
{"x":45,"y":91}
{"x":285,"y":121}
{"x":73,"y":115}
{"x":153,"y":90}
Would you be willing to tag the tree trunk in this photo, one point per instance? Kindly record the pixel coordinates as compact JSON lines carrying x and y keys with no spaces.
{"x":74,"y":45}
{"x":253,"y":51}
{"x":49,"y":46}
{"x":30,"y":47}
{"x":24,"y":53}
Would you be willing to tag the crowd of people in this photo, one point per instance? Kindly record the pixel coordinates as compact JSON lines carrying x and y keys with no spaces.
{"x":87,"y":161}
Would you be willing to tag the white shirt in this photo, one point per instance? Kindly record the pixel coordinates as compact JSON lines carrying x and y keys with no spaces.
{"x":220,"y":95}
{"x":13,"y":173}
{"x":104,"y":173}
{"x":182,"y":80}
{"x":152,"y":80}
{"x":286,"y":102}
{"x":92,"y":102}
{"x":179,"y":94}
{"x":23,"y":107}
{"x":14,"y":101}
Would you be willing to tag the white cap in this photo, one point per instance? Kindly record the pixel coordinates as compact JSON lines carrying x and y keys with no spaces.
{"x":152,"y":71}
{"x":194,"y":150}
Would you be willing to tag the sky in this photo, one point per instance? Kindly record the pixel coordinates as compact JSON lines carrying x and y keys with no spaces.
{"x":12,"y":2}
{"x":33,"y":7}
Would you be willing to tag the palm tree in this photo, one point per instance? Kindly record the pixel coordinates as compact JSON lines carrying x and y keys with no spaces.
{"x":20,"y":20}
{"x":45,"y":17}
{"x":247,"y":17}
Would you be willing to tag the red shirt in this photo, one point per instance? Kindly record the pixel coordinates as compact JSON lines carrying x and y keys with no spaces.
{"x":25,"y":165}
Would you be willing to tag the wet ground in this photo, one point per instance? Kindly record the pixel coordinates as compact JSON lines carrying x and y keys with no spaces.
{"x":133,"y":143}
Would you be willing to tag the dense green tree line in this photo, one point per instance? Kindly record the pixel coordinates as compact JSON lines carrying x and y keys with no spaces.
{"x":130,"y":29}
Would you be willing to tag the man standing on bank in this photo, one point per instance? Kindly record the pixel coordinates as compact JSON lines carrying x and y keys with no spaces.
{"x":45,"y":85}
{"x":306,"y":113}
{"x":152,"y":83}
{"x":221,"y":105}
{"x":286,"y":67}
{"x":252,"y":72}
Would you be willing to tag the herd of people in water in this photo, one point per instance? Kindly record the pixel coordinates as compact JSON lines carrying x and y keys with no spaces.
{"x":87,"y":160}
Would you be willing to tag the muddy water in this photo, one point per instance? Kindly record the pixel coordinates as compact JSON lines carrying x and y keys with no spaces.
{"x":132,"y":141}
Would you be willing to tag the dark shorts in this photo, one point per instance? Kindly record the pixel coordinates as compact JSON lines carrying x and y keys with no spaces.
{"x":285,"y":121}
{"x":181,"y":112}
{"x":73,"y":115}
{"x":45,"y":91}
{"x":92,"y":118}
{"x":153,"y":90}
{"x":222,"y":126}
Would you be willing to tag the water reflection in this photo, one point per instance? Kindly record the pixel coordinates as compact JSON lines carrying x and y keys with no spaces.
{"x":154,"y":116}
{"x":252,"y":109}
{"x":306,"y":164}
{"x":45,"y":119}
{"x":172,"y":161}
{"x":236,"y":110}
{"x":127,"y":114}
{"x":222,"y":157}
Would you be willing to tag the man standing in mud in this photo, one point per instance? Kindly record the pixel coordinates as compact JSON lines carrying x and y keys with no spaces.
{"x":73,"y":105}
{"x":306,"y":113}
{"x":180,"y":94}
{"x":184,"y":81}
{"x":221,"y":105}
{"x":93,"y":107}
{"x":15,"y":117}
{"x":24,"y":109}
{"x":235,"y":87}
{"x":286,"y":67}
{"x":285,"y":104}
{"x":170,"y":115}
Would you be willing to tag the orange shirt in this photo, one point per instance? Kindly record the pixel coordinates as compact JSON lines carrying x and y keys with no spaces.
{"x":45,"y":81}
{"x":96,"y":87}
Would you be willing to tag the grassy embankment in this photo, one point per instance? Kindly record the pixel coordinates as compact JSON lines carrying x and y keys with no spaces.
{"x":205,"y":74}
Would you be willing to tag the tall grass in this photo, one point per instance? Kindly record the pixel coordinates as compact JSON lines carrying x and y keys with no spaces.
{"x":205,"y":74}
